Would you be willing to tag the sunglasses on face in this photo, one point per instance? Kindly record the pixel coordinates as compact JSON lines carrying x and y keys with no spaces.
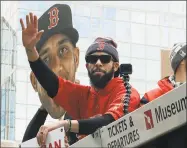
{"x":94,"y":58}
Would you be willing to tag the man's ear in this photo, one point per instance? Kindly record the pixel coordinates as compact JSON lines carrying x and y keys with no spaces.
{"x":33,"y":81}
{"x":116,"y":66}
{"x":76,"y":57}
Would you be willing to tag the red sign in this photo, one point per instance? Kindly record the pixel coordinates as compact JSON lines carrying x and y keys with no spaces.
{"x":148,"y":119}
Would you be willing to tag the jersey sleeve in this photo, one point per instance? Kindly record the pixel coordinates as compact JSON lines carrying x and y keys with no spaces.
{"x":115,"y":107}
{"x":70,"y":96}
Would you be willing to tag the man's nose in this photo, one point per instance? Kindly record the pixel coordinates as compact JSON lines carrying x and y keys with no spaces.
{"x":56,"y":65}
{"x":98,"y":62}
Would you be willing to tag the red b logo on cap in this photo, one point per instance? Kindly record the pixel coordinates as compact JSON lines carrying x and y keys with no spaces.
{"x":101,"y":45}
{"x":53,"y":18}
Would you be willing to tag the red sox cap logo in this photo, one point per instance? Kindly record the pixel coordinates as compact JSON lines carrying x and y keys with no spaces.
{"x":101,"y":45}
{"x":53,"y":17}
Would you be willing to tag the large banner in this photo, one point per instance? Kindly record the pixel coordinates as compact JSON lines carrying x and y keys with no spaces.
{"x":55,"y":139}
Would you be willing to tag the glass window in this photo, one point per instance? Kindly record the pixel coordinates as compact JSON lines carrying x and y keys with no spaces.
{"x":12,"y":120}
{"x":153,"y":70}
{"x":124,"y":49}
{"x":36,"y":5}
{"x":31,"y":111}
{"x":82,"y":62}
{"x":96,"y":12}
{"x":2,"y":133}
{"x":96,"y":27}
{"x":84,"y":43}
{"x":177,"y":7}
{"x":22,"y":59}
{"x":12,"y":99}
{"x":13,"y":21}
{"x":123,"y":31}
{"x":124,"y":60}
{"x":110,"y":13}
{"x":138,"y":51}
{"x":184,"y":23}
{"x":11,"y":134}
{"x":20,"y":94}
{"x":21,"y":75}
{"x":3,"y":100}
{"x":152,"y":52}
{"x":20,"y":111}
{"x":176,"y":35}
{"x":28,"y":4}
{"x":152,"y":35}
{"x":138,"y":5}
{"x":176,"y":21}
{"x":72,"y":7}
{"x":152,"y":18}
{"x":122,"y":15}
{"x":140,"y":86}
{"x":82,"y":10}
{"x":164,"y":36}
{"x":108,"y":28}
{"x":164,"y":20}
{"x":3,"y":118}
{"x":82,"y":24}
{"x":20,"y":129}
{"x":22,"y":14}
{"x":138,"y":17}
{"x":7,"y":41}
{"x":138,"y":33}
{"x":138,"y":68}
{"x":32,"y":96}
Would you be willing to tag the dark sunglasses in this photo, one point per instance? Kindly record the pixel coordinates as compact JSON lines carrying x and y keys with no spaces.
{"x":94,"y":58}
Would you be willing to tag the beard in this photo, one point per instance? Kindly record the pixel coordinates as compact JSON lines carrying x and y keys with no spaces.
{"x":100,"y":81}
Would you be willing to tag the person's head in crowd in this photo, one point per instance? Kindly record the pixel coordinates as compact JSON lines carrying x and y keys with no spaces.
{"x":57,"y":46}
{"x":102,"y":62}
{"x":178,"y":60}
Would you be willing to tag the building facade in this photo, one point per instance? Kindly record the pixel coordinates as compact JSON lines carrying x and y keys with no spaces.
{"x":141,"y":30}
{"x":8,"y":80}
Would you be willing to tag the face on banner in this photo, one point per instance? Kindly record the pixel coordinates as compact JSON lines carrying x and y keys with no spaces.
{"x":61,"y":57}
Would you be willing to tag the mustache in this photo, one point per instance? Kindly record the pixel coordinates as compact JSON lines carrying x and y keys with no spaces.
{"x":98,"y":70}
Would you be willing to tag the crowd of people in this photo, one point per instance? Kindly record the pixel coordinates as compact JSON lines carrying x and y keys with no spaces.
{"x":50,"y":45}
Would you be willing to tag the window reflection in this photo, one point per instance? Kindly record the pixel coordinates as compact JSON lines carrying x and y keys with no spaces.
{"x":109,"y":28}
{"x":82,"y":24}
{"x":82,"y":10}
{"x":96,"y":12}
{"x":123,"y":32}
{"x":8,"y":79}
{"x":110,"y":13}
{"x":95,"y":27}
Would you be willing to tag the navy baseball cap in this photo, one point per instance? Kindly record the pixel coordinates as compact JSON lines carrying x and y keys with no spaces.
{"x":57,"y":19}
{"x":107,"y":45}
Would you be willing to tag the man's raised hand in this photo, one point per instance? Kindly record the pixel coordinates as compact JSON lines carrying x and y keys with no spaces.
{"x":30,"y":36}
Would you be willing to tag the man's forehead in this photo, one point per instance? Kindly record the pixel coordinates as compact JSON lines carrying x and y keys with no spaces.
{"x":56,"y":39}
